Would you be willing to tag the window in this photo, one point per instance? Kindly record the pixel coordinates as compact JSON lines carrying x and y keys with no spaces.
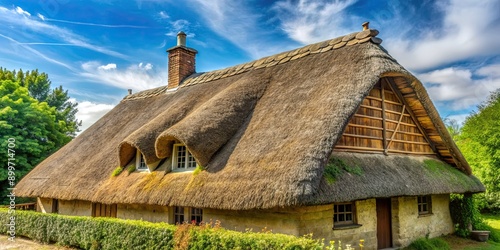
{"x":343,"y":214}
{"x":424,"y":204}
{"x":140,"y":163}
{"x":182,"y":159}
{"x":196,"y":215}
{"x":178,"y":215}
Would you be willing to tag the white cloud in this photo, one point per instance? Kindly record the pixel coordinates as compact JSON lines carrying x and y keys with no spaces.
{"x":163,"y":15}
{"x":41,"y":16}
{"x":460,"y":87}
{"x":308,"y":21}
{"x":21,"y":19}
{"x":179,"y":25}
{"x":236,"y":22}
{"x":468,"y":30}
{"x":21,"y":11}
{"x":136,"y":77}
{"x":107,"y":66}
{"x":90,"y":112}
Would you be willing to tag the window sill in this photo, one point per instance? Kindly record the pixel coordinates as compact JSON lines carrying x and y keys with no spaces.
{"x":425,"y":215}
{"x":182,"y":171}
{"x":343,"y":227}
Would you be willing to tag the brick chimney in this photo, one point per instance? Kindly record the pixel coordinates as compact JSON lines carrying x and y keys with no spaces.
{"x":181,"y":62}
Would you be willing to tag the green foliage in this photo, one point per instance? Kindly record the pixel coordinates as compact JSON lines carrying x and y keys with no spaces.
{"x":429,"y":244}
{"x":479,"y":141}
{"x":33,"y":126}
{"x":39,"y":88}
{"x":109,"y":233}
{"x":335,"y":167}
{"x":464,"y":212}
{"x":39,"y":119}
{"x":118,"y":170}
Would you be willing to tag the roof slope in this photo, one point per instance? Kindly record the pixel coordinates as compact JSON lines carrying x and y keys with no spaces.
{"x":263,"y":131}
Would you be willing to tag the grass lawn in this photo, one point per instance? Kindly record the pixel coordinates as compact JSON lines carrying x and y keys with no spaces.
{"x":467,"y":244}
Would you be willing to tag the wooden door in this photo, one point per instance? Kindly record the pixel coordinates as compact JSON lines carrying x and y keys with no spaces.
{"x":103,"y":210}
{"x":384,"y":233}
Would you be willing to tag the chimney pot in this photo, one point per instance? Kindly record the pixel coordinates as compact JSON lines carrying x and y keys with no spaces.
{"x":365,"y":25}
{"x":181,"y":39}
{"x":129,"y":91}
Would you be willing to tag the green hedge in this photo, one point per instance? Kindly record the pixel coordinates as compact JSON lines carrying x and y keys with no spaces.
{"x":110,"y":233}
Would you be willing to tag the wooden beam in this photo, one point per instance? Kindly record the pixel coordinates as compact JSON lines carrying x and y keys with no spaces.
{"x":359,"y":148}
{"x":410,"y":152}
{"x":384,"y":122}
{"x":417,"y":123}
{"x":363,"y":126}
{"x":363,"y":136}
{"x":395,"y":130}
{"x":368,"y":117}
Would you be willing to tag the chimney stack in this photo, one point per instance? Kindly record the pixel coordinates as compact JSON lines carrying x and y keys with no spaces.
{"x":181,"y":62}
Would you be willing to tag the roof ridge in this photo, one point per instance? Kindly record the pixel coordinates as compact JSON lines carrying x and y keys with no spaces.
{"x":269,"y":61}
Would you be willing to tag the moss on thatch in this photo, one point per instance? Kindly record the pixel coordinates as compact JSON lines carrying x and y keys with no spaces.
{"x":336,"y":167}
{"x":118,"y":170}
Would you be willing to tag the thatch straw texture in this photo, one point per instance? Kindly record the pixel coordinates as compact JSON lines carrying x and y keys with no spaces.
{"x":263,"y":131}
{"x":383,"y":176}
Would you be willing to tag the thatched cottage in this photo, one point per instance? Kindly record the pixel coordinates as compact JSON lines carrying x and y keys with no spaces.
{"x":334,"y":138}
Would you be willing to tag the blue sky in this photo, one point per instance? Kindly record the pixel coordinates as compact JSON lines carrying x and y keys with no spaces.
{"x":99,"y":49}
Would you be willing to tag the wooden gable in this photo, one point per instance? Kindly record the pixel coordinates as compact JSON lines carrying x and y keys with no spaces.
{"x":385,"y":123}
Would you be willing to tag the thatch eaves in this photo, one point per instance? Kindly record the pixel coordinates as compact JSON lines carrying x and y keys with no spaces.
{"x":263,"y":131}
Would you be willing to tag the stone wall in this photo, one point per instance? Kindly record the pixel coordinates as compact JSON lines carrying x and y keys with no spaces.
{"x":75,"y":207}
{"x":300,"y":221}
{"x":408,"y":225}
{"x":152,"y":213}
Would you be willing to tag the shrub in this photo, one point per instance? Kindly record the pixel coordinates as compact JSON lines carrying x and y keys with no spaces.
{"x":429,"y":244}
{"x":111,"y":233}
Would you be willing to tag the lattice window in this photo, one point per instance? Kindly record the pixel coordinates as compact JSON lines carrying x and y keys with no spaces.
{"x":183,"y":160}
{"x":343,"y":214}
{"x":424,"y":204}
{"x":140,"y":162}
{"x":178,"y":215}
{"x":196,"y":215}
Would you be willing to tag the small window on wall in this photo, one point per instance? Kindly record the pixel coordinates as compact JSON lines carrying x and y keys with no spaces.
{"x":182,"y":159}
{"x":140,"y":163}
{"x":343,"y":214}
{"x":196,"y":215}
{"x":424,"y":205}
{"x":178,"y":215}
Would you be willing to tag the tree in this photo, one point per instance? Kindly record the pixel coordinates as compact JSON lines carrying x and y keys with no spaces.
{"x":479,"y":141}
{"x":38,"y":85}
{"x":34,"y":128}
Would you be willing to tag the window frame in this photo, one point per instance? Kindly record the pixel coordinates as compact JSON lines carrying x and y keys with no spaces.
{"x":424,"y":201}
{"x":337,"y":214}
{"x":179,"y":215}
{"x":188,"y":158}
{"x":196,"y":215}
{"x":139,"y":160}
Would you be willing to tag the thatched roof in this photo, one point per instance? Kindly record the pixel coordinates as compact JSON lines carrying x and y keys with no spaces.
{"x":362,"y":176}
{"x":263,"y":131}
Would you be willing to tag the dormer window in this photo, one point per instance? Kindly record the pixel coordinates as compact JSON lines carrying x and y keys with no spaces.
{"x":182,"y":159}
{"x":140,"y":163}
